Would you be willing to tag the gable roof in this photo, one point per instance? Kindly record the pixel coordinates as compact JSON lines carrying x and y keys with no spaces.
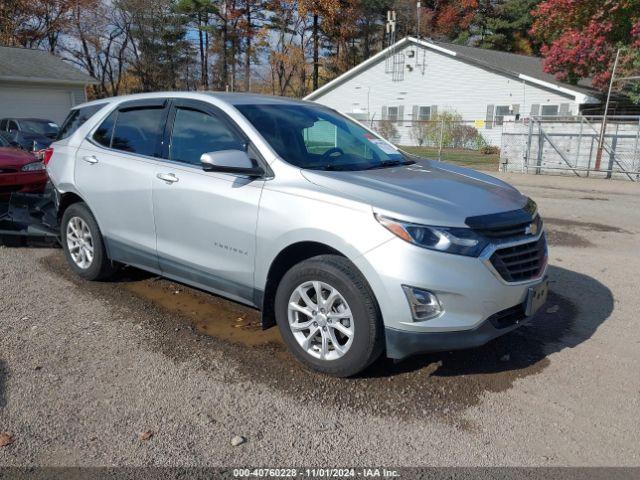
{"x":38,"y":66}
{"x":526,"y":68}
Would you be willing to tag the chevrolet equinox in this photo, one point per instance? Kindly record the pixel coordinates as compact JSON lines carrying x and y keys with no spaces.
{"x":350,"y":245}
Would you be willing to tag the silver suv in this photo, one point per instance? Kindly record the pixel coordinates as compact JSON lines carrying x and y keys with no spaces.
{"x":350,"y":245}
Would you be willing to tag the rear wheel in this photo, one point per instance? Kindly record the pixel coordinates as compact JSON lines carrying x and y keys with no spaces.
{"x":328,"y":316}
{"x":83,"y":244}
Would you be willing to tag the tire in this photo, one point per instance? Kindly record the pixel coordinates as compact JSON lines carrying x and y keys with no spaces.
{"x":100,"y":267}
{"x":332,"y":273}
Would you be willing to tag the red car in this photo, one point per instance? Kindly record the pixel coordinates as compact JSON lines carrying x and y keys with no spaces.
{"x":20,"y":171}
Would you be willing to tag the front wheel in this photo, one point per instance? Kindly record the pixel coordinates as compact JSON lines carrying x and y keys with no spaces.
{"x":328,"y":316}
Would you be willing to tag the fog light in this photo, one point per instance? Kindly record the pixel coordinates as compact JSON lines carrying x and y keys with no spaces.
{"x":424,"y":304}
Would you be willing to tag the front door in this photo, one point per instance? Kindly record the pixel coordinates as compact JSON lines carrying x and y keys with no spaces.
{"x":205,"y":221}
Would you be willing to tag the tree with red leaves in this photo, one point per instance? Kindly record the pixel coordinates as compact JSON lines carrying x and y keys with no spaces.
{"x":580,"y":38}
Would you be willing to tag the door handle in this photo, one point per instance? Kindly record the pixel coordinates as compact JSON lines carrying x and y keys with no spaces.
{"x":167,"y":177}
{"x":90,"y":159}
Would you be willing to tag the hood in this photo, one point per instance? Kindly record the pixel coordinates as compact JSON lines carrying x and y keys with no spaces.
{"x":26,"y":140}
{"x":14,"y":158}
{"x":40,"y":138}
{"x":427,"y":192}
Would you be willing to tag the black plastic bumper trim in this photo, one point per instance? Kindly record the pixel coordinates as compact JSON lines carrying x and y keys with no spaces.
{"x":402,"y":343}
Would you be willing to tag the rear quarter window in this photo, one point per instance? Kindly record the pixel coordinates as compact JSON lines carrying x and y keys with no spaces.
{"x":76,"y":118}
{"x":104,"y":132}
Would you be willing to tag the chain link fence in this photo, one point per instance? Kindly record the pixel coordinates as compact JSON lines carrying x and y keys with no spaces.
{"x":539,"y":144}
{"x":570,"y":145}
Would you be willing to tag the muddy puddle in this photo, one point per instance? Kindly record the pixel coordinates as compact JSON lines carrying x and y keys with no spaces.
{"x":563,"y":238}
{"x":575,"y":233}
{"x":187,"y":324}
{"x":208,"y":314}
{"x":588,"y":226}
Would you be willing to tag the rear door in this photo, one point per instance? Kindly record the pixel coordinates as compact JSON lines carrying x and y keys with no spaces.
{"x":115,"y":170}
{"x":205,"y":221}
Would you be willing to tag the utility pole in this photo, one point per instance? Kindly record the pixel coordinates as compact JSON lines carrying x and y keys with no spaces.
{"x":603,"y":127}
{"x":418,"y":7}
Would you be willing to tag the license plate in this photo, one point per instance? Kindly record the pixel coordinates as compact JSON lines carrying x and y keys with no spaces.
{"x":536,"y":297}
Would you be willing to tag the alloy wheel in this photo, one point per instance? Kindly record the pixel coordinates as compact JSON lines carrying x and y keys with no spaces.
{"x":321,"y":320}
{"x":80,"y":242}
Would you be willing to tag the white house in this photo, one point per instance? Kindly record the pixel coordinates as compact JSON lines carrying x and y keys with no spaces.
{"x":36,"y":84}
{"x":414,"y":79}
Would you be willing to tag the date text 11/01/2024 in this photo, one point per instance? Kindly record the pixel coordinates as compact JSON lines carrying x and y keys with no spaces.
{"x":316,"y":472}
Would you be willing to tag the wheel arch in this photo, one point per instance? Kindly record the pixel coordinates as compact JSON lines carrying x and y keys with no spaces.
{"x":66,"y":200}
{"x":283,"y":261}
{"x":69,"y":198}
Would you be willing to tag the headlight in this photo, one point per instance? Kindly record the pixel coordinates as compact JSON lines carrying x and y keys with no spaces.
{"x":33,"y":167}
{"x":460,"y":241}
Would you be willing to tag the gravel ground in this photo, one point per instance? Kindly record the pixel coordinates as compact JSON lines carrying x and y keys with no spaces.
{"x":142,"y":371}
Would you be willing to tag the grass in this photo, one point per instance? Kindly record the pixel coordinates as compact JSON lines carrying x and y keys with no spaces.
{"x":459,"y":156}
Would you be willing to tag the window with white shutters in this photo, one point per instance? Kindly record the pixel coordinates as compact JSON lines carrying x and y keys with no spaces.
{"x":489,"y":119}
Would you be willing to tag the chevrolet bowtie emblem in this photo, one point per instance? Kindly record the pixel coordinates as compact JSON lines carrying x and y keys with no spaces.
{"x":531,"y":229}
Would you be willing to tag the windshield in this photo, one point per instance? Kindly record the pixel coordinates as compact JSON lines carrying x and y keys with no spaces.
{"x":317,"y":138}
{"x":40,"y":127}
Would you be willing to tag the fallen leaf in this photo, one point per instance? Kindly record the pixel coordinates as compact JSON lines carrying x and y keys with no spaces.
{"x":6,"y":439}
{"x":144,"y":436}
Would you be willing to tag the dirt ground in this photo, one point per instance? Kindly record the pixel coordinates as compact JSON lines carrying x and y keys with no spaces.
{"x":87,"y":368}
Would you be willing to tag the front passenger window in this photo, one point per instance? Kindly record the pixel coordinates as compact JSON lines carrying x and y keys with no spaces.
{"x":195,"y":132}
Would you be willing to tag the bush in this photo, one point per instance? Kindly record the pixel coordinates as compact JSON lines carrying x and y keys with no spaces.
{"x":387,"y":129}
{"x":419,"y":131}
{"x":454,"y":132}
{"x":490,"y":150}
{"x":464,"y":136}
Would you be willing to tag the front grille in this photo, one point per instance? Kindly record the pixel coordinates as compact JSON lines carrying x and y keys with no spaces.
{"x":521,"y":262}
{"x":504,"y":232}
{"x":508,"y":317}
{"x":8,"y":170}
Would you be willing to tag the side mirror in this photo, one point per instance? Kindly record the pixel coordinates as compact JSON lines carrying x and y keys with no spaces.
{"x":231,"y":161}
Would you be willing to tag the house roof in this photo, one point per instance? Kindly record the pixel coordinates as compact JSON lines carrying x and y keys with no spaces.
{"x":526,"y":68}
{"x":38,"y":66}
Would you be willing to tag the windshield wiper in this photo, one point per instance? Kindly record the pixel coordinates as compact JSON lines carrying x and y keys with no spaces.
{"x":328,"y":168}
{"x":389,"y":163}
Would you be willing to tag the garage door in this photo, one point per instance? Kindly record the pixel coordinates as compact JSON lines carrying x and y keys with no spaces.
{"x":50,"y":104}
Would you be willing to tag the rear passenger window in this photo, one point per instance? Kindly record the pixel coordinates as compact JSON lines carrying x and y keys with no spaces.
{"x":195,"y":132}
{"x":104,"y":132}
{"x":76,"y":118}
{"x":138,"y":130}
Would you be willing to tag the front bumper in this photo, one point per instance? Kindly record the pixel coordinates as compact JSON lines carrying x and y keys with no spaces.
{"x":25,"y":182}
{"x":472,"y":295}
{"x":401,"y":343}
